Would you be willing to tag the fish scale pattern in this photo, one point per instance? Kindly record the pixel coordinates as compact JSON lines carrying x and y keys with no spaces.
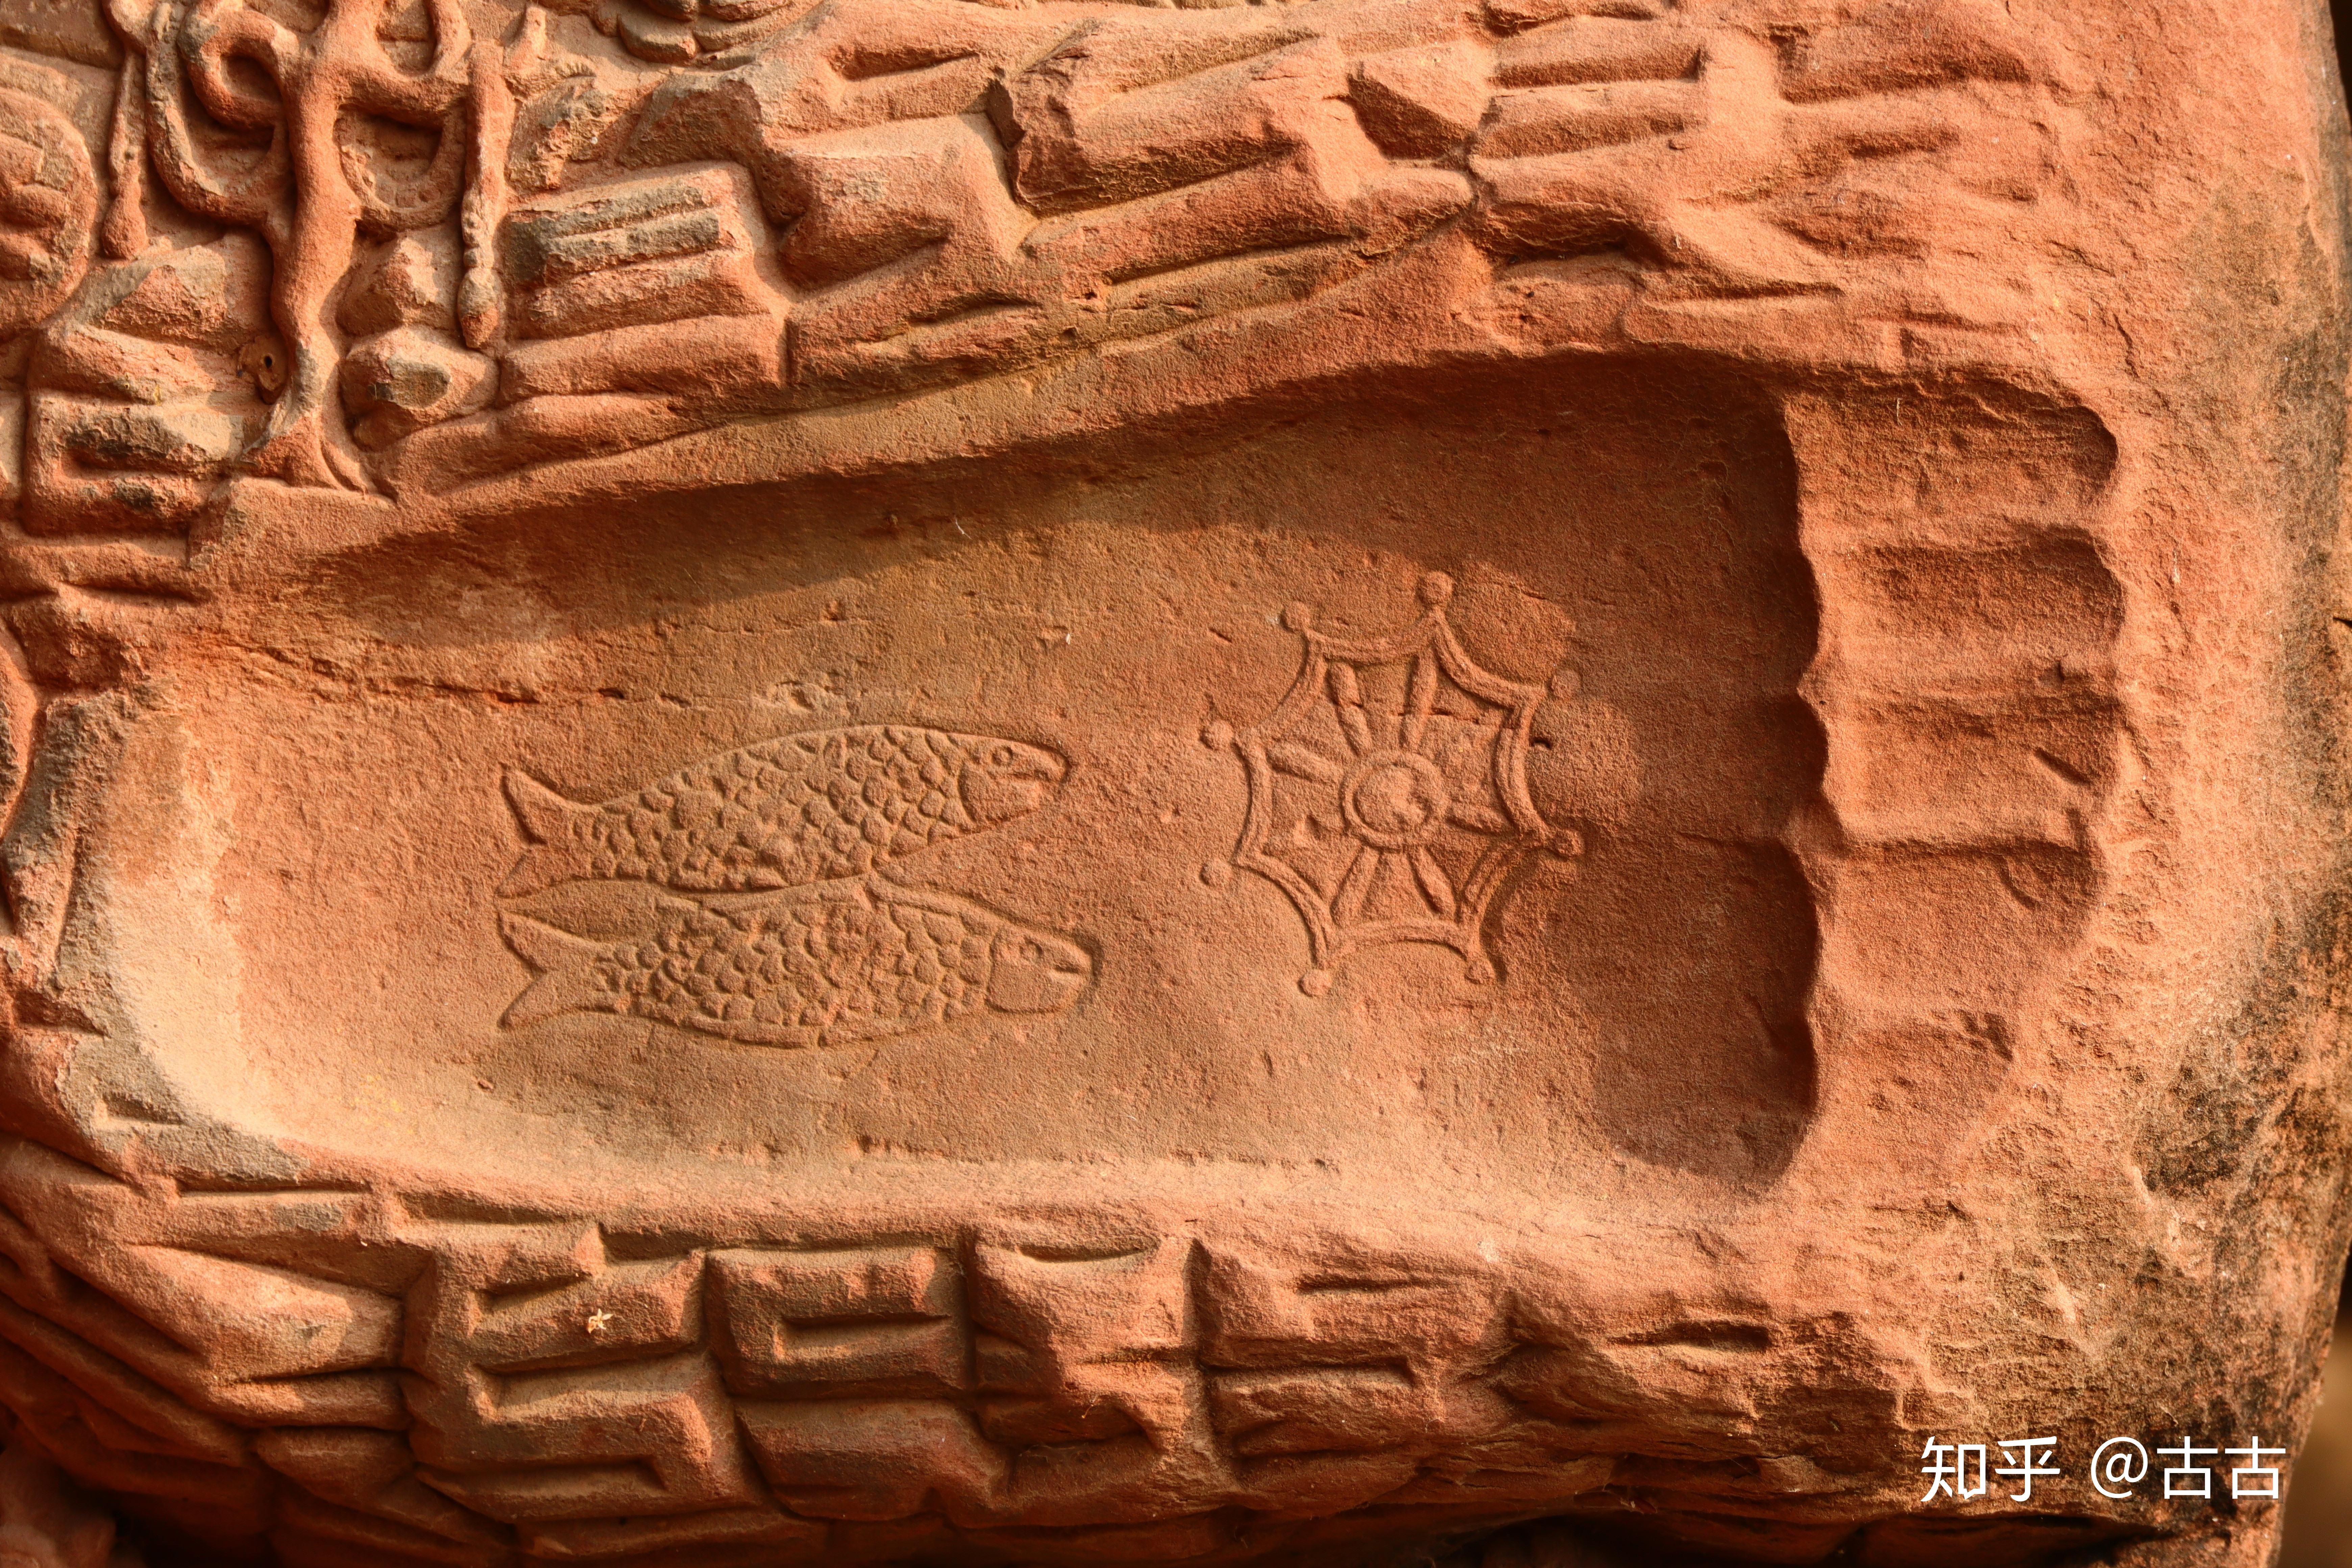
{"x":825,"y":965}
{"x":791,"y":811}
{"x":780,"y":939}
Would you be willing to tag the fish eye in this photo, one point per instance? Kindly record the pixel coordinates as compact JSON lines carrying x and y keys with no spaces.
{"x":1001,"y":758}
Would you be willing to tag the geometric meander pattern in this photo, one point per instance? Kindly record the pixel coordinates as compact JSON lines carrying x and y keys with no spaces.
{"x":877,"y":200}
{"x":458,"y":1390}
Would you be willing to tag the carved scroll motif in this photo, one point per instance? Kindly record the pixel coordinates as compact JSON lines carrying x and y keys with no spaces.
{"x":306,"y":165}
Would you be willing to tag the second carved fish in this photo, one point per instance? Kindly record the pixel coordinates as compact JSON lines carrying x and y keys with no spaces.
{"x":862,"y":960}
{"x":785,"y":813}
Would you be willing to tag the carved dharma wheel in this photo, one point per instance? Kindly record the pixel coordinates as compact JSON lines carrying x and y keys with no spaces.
{"x":1348,"y":783}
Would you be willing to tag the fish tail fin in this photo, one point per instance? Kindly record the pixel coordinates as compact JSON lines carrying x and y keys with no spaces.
{"x":546,"y":818}
{"x":566,"y":980}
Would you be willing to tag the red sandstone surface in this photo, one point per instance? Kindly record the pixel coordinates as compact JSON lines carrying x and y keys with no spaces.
{"x":914,"y":782}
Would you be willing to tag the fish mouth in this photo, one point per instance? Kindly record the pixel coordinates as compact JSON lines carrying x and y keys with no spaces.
{"x":1034,"y":971}
{"x":1009,"y":779}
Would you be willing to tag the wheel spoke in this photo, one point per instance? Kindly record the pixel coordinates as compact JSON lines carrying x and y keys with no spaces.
{"x":1421,"y":696}
{"x":1479,"y":818}
{"x":1348,"y":903}
{"x":1348,"y":700}
{"x":1432,"y":877}
{"x":1303,"y":762}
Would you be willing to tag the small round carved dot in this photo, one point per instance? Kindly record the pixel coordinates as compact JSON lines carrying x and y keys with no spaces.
{"x":1315,"y":982}
{"x":1478,"y":972}
{"x":1218,"y":736}
{"x":1565,"y":684}
{"x":1298,"y":617}
{"x":1436,"y":589}
{"x":1216,"y":873}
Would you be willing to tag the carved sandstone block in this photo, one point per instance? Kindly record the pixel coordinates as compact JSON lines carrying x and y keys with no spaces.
{"x":864,"y":782}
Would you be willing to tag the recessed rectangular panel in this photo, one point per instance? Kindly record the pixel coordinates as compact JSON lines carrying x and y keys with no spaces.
{"x":1388,"y":787}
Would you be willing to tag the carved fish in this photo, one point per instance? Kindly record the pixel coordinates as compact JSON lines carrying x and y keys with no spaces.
{"x":784,"y":813}
{"x":862,"y":960}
